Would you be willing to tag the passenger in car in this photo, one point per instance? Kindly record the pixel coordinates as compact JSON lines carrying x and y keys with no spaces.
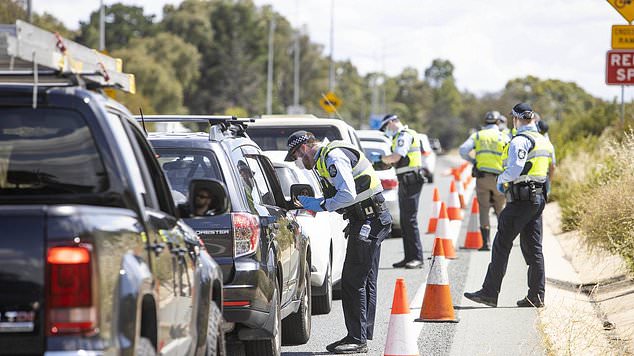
{"x":203,"y":202}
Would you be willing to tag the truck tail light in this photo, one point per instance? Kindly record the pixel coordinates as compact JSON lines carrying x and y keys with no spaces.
{"x":70,"y":307}
{"x":246,"y":233}
{"x":389,"y":184}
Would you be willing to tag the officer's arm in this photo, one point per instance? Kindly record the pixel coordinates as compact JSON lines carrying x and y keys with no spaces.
{"x":403,"y":142}
{"x":340,"y":171}
{"x":467,"y":147}
{"x":518,"y":153}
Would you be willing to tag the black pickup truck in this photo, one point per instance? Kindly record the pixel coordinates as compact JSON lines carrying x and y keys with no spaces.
{"x":95,"y":257}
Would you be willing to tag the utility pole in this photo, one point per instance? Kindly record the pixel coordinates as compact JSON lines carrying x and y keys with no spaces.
{"x":331,"y":78}
{"x":29,"y":10}
{"x":269,"y":72}
{"x":102,"y":27}
{"x":296,"y":61}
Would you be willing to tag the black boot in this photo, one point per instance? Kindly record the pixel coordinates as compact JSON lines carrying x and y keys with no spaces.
{"x":485,"y":239}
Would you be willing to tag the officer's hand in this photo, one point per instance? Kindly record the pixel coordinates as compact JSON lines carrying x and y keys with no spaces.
{"x":375,"y":157}
{"x":500,"y":187}
{"x":310,"y":203}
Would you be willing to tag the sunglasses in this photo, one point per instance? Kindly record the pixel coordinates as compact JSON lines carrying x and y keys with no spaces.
{"x":202,"y":196}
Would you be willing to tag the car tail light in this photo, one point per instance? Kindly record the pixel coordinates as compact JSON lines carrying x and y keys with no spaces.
{"x":70,"y":306}
{"x":246,"y":233}
{"x":389,"y":183}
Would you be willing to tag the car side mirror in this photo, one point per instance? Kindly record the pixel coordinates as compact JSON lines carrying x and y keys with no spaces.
{"x":207,"y":197}
{"x":296,"y":191}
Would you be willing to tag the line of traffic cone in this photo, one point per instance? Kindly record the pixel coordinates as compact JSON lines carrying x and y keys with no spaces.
{"x":442,"y":234}
{"x":457,"y":172}
{"x":454,"y":211}
{"x":437,"y":305}
{"x":401,"y":340}
{"x":473,"y":240}
{"x":435,"y":211}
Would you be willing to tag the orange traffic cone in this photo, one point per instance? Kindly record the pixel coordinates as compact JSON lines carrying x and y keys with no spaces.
{"x":460,"y":188}
{"x":437,"y":305}
{"x":474,"y":236}
{"x":435,"y":211}
{"x":401,"y":340}
{"x":453,"y":209}
{"x":442,"y":233}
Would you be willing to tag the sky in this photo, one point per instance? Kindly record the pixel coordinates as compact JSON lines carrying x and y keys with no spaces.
{"x":489,"y":42}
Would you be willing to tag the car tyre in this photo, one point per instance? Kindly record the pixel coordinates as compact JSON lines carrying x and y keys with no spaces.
{"x":144,"y":347}
{"x":322,"y":304}
{"x":273,"y":346}
{"x":296,"y":327}
{"x":215,"y":333}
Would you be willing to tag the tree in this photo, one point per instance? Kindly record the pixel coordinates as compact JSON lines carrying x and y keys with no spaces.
{"x":11,"y":10}
{"x":439,"y":71}
{"x":123,"y":23}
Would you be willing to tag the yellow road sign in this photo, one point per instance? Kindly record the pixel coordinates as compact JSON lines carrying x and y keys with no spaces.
{"x":622,"y":37}
{"x":625,"y":8}
{"x":330,"y":102}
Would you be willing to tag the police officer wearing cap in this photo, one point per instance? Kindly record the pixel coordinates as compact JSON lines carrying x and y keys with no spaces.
{"x":528,"y":163}
{"x":352,"y":188}
{"x":407,"y":159}
{"x":488,"y":144}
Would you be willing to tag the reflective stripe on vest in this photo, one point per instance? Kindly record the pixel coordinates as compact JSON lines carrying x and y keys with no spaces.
{"x":366,"y":181}
{"x":414,"y":160}
{"x":540,"y":156}
{"x":489,"y":146}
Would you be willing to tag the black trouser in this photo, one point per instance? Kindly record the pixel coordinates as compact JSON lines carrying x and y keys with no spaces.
{"x":408,"y":197}
{"x":358,"y":279}
{"x":523,"y":218}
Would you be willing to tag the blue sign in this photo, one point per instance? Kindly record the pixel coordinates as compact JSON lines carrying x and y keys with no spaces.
{"x":375,"y":121}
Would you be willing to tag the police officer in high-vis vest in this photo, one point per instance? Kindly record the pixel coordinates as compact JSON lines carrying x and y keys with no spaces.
{"x":528,"y":164}
{"x":406,"y":158}
{"x":488,"y":145}
{"x":352,"y":188}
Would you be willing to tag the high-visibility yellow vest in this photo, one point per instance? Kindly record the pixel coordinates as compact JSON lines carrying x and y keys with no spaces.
{"x":414,"y":159}
{"x":538,"y":159}
{"x":366,"y":181}
{"x":489,"y":146}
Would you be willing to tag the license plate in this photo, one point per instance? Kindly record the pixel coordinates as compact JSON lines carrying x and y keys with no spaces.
{"x":17,"y":321}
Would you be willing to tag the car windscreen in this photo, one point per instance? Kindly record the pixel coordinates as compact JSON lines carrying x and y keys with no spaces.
{"x":48,"y":152}
{"x":183,"y":165}
{"x":275,"y":138}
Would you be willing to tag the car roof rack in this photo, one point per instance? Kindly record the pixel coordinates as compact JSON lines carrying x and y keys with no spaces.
{"x":218,"y":124}
{"x":31,"y":55}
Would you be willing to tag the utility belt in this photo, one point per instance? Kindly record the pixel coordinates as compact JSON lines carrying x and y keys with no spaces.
{"x":526,"y":191}
{"x":476,"y":173}
{"x":364,"y":210}
{"x":411,"y":177}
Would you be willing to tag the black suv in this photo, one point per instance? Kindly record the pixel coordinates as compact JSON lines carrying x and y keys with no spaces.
{"x":264,"y":257}
{"x":94,"y":257}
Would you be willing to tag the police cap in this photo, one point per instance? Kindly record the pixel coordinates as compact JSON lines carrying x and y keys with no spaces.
{"x":295,"y":140}
{"x":523,"y":111}
{"x":386,"y":119}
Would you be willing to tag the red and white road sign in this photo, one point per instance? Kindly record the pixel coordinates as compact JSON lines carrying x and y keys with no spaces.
{"x":619,"y":68}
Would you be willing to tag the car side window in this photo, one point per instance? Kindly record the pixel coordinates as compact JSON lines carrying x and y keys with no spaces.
{"x":263,"y":186}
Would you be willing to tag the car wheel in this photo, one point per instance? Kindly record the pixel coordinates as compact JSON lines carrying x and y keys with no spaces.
{"x":296,"y":327}
{"x":322,"y":304}
{"x":144,"y":347}
{"x":215,"y":334}
{"x":273,"y":346}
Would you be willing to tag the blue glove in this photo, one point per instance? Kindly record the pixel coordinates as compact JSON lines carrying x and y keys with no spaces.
{"x":375,"y":157}
{"x":310,"y":203}
{"x":500,"y":187}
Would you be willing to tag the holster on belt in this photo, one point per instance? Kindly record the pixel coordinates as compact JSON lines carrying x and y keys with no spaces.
{"x":364,"y":210}
{"x":524,"y":191}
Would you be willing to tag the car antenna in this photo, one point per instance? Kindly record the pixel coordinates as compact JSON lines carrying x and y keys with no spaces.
{"x":143,"y":120}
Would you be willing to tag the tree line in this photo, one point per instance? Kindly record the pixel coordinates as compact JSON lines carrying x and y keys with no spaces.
{"x":210,"y":57}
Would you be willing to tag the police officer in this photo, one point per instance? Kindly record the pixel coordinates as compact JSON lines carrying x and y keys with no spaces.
{"x":407,"y":159}
{"x":488,"y":144}
{"x":528,"y":164}
{"x":352,"y":188}
{"x":503,"y":125}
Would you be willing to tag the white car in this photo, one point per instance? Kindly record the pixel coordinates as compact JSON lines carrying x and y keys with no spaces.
{"x":375,"y":141}
{"x":324,"y":229}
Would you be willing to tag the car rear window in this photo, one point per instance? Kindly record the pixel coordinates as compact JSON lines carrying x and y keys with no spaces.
{"x":183,"y":165}
{"x":48,"y":152}
{"x":275,"y":138}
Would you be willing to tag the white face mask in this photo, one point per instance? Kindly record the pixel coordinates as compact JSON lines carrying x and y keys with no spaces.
{"x":389,"y":133}
{"x":299,"y":163}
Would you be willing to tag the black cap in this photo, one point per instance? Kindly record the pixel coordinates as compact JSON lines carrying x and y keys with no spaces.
{"x":387,"y":118}
{"x":295,"y":140}
{"x":542,"y":127}
{"x":523,"y":111}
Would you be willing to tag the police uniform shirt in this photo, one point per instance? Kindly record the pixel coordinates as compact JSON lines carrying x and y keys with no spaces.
{"x":518,"y":154}
{"x":340,"y":177}
{"x":403,"y":141}
{"x":469,"y":145}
